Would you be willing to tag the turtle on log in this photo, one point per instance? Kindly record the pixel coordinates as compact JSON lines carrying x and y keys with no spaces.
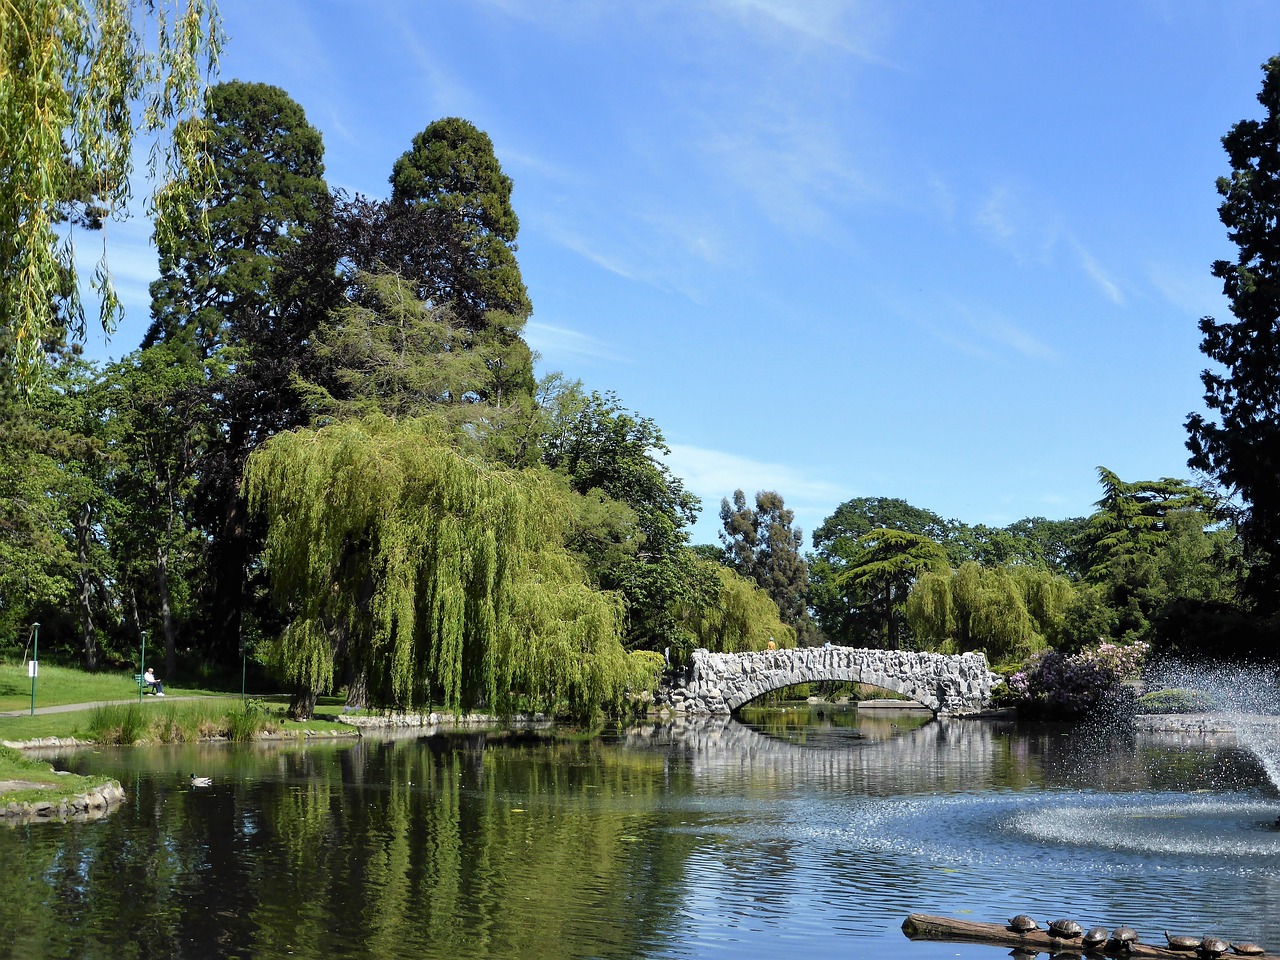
{"x":1182,"y":943}
{"x":1023,"y":923}
{"x":1213,"y":947}
{"x":1123,"y":938}
{"x":1095,"y":938}
{"x":1065,"y":929}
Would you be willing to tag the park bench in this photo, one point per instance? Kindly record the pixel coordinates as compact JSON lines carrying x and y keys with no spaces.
{"x":147,"y":688}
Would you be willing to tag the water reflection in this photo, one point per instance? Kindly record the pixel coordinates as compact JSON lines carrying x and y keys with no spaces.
{"x":696,"y":839}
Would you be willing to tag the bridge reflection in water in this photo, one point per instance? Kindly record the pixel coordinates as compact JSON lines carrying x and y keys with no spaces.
{"x":938,"y":754}
{"x":886,"y":754}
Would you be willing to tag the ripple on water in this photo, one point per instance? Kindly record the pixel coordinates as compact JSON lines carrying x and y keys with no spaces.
{"x":1155,"y":860}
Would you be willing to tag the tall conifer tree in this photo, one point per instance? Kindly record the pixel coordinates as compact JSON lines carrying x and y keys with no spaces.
{"x":451,"y":189}
{"x":1239,"y":441}
{"x":225,"y":297}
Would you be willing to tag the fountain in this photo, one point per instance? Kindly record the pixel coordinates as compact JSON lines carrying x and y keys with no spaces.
{"x":1242,"y":701}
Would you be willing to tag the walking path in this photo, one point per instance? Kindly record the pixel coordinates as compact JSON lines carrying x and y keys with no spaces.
{"x":72,"y":707}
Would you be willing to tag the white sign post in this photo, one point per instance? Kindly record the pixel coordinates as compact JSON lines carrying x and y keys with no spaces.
{"x":33,"y":665}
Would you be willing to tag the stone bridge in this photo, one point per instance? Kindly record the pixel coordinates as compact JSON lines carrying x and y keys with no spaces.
{"x":720,"y":683}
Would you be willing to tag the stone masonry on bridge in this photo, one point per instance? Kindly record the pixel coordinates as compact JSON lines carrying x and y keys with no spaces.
{"x":720,"y":683}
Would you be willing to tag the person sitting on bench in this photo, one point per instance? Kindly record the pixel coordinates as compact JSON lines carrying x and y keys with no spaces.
{"x":149,"y":678}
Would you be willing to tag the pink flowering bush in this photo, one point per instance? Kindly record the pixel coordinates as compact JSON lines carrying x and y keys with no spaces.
{"x":1059,"y":686}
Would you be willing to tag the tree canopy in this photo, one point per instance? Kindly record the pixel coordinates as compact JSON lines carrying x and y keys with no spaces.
{"x":1238,"y":443}
{"x":762,"y":545}
{"x":452,"y":175}
{"x":231,"y":301}
{"x":1006,"y":612}
{"x":219,"y":285}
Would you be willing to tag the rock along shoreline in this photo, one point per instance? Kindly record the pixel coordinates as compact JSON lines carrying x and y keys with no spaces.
{"x":87,"y":806}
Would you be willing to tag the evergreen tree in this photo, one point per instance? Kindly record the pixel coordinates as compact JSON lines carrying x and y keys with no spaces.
{"x":452,"y":176}
{"x":848,"y":613}
{"x":217,"y":289}
{"x":451,"y":198}
{"x":1238,"y":443}
{"x":228,"y":303}
{"x":878,"y":579}
{"x":1150,"y":544}
{"x":1133,"y":518}
{"x":762,"y":545}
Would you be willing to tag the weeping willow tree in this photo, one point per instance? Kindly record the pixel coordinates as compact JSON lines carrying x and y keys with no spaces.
{"x":742,"y":616}
{"x":424,"y":576}
{"x":79,"y":81}
{"x":1006,"y":612}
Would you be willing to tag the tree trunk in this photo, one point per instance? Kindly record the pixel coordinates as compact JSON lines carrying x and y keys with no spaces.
{"x":303,"y":703}
{"x":358,"y":690}
{"x":88,"y":643}
{"x":166,"y":610}
{"x":231,"y":559}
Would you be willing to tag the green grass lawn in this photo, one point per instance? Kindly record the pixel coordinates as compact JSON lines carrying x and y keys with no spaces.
{"x":59,"y":685}
{"x":154,"y":719}
{"x":53,"y":785}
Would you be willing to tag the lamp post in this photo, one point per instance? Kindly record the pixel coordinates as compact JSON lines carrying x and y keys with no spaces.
{"x":142,"y":664}
{"x":34,"y":666}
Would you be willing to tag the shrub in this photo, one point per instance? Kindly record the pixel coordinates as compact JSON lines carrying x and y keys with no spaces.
{"x":1175,"y":701}
{"x":122,"y":725}
{"x":246,"y":724}
{"x":1062,"y":686}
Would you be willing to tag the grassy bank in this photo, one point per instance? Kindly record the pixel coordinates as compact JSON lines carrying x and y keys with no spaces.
{"x":160,"y":721}
{"x":23,"y":779}
{"x":61,"y":685}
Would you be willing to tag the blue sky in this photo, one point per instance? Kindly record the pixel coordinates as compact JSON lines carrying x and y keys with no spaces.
{"x":953,"y":253}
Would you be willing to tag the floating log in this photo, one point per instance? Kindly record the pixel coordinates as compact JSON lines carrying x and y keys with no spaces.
{"x":921,"y":926}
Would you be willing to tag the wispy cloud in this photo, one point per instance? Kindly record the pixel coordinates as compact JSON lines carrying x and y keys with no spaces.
{"x":1014,"y":219}
{"x":980,"y":332}
{"x":854,"y":28}
{"x":714,"y":474}
{"x":1094,"y":271}
{"x":795,"y":168}
{"x":557,"y":343}
{"x":663,"y":250}
{"x":589,"y":248}
{"x":440,"y":90}
{"x":993,"y":215}
{"x":1192,"y":291}
{"x":1010,"y":336}
{"x":1032,"y":230}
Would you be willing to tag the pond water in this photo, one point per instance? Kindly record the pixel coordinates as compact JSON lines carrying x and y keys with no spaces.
{"x":800,"y":832}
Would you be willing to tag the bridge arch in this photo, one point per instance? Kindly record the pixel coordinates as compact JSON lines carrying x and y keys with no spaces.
{"x":721,"y":683}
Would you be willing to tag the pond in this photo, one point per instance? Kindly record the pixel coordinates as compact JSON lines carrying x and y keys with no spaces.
{"x":806,"y":831}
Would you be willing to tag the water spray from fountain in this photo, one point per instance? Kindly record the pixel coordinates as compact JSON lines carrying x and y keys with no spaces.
{"x":1244,"y":699}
